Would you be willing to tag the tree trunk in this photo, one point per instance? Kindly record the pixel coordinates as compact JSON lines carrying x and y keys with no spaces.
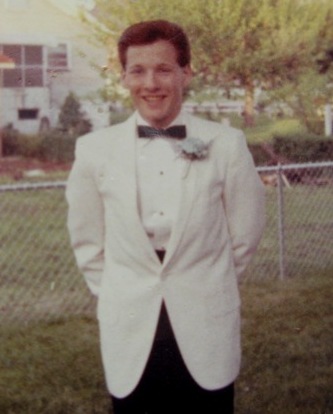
{"x":249,"y":104}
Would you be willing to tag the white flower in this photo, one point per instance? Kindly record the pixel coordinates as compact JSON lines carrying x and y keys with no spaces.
{"x":193,"y":149}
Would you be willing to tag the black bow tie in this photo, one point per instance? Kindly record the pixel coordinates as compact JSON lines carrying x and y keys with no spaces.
{"x":176,"y":131}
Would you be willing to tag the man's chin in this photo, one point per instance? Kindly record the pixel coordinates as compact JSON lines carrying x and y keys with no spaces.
{"x":154,"y":120}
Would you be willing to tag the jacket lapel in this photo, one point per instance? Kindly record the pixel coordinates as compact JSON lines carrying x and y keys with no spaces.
{"x":127,"y":132}
{"x":188,"y":188}
{"x":187,"y":199}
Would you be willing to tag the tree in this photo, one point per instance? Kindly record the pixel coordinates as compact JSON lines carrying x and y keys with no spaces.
{"x":71,"y":118}
{"x":263,"y":42}
{"x":308,"y":92}
{"x":247,"y":43}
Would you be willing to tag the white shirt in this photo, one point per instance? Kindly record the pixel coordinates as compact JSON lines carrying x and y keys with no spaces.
{"x":159,"y":176}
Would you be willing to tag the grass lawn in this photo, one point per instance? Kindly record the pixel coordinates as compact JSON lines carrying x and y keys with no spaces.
{"x":265,"y":131}
{"x":55,"y":368}
{"x":265,"y":127}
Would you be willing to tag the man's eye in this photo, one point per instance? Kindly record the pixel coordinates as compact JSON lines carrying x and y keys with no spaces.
{"x":164,"y":70}
{"x":136,"y":71}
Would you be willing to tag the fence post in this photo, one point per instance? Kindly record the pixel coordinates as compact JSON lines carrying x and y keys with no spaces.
{"x":281,"y":222}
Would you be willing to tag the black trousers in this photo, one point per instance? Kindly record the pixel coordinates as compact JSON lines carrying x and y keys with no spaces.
{"x":167,"y":387}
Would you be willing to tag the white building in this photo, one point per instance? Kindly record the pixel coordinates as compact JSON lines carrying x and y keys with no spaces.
{"x":53,"y":56}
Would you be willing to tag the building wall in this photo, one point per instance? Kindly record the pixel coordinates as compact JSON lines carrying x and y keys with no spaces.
{"x":41,"y":23}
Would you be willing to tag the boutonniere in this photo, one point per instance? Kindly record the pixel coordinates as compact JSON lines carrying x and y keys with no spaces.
{"x":193,"y":149}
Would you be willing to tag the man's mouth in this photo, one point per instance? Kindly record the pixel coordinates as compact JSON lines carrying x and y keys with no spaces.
{"x":153,"y":99}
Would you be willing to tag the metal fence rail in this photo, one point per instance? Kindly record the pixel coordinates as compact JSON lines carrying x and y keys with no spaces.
{"x":38,"y":276}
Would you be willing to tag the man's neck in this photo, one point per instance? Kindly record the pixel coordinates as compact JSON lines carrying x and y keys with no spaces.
{"x":178,"y":120}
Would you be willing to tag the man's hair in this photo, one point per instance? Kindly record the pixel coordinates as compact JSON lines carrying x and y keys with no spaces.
{"x":148,"y":32}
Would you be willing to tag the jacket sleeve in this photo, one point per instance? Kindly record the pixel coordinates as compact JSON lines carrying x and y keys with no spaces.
{"x":244,"y":202}
{"x":86,"y":219}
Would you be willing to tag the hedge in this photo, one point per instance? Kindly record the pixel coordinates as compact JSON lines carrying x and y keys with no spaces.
{"x":58,"y":146}
{"x":309,"y":148}
{"x":293,"y":149}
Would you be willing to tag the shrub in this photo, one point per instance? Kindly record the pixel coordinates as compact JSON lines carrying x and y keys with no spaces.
{"x":18,"y":144}
{"x":9,"y":140}
{"x":304,"y":148}
{"x":29,"y":146}
{"x":71,"y":119}
{"x":259,"y":155}
{"x":57,"y":146}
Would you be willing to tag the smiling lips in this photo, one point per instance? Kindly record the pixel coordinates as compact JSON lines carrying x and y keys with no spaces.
{"x":153,"y":99}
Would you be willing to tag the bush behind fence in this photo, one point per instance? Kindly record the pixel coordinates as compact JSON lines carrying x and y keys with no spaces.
{"x":39,"y":280}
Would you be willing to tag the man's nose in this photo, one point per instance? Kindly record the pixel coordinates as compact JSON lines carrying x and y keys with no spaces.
{"x":150,"y":80}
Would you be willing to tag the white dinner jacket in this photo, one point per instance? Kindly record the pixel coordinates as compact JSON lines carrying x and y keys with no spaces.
{"x":219,"y":224}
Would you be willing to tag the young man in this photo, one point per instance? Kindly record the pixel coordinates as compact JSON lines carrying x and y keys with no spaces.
{"x":162,"y":225}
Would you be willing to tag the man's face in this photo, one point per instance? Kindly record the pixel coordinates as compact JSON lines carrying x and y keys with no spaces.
{"x":156,"y":81}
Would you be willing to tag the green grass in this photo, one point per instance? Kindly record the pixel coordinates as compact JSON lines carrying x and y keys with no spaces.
{"x":50,"y":176}
{"x":52,"y":368}
{"x":308,"y":218}
{"x":266,"y":129}
{"x":288,"y":354}
{"x":55,"y":368}
{"x":39,"y":277}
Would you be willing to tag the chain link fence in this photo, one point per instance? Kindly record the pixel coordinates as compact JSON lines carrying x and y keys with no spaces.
{"x":39,"y":280}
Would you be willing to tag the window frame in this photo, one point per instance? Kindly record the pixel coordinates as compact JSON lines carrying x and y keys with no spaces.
{"x":58,"y":68}
{"x":22,"y":68}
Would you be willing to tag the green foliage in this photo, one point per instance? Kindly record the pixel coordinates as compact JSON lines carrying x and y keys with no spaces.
{"x":247,"y":43}
{"x":308,"y":148}
{"x":266,"y":129}
{"x":10,"y":137}
{"x":306,"y":96}
{"x":289,"y":140}
{"x":29,"y":146}
{"x":18,"y":144}
{"x":260,"y":156}
{"x":57,"y":146}
{"x":54,"y":145}
{"x":71,"y":118}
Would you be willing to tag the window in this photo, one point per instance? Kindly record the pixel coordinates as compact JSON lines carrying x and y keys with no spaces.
{"x":25,"y":114}
{"x":31,"y":63}
{"x":57,"y":57}
{"x":28,"y":71}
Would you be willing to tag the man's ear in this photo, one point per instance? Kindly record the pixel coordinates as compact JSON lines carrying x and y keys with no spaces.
{"x":123,"y":79}
{"x":188,"y":74}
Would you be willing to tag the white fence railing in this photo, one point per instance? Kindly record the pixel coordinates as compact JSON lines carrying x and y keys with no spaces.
{"x":39,"y":279}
